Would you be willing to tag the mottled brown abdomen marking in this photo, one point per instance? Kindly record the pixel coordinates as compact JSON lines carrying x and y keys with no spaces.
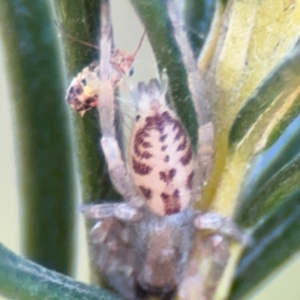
{"x":180,"y":130}
{"x":185,"y":160}
{"x":171,"y":202}
{"x":147,"y":193}
{"x":139,"y":168}
{"x":167,"y":176}
{"x":146,"y":145}
{"x":146,"y":155}
{"x":189,"y":182}
{"x":162,"y":138}
{"x":183,"y":145}
{"x":140,"y":144}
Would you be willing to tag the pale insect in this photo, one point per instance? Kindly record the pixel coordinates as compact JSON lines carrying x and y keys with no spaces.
{"x":83,"y":91}
{"x":142,"y":246}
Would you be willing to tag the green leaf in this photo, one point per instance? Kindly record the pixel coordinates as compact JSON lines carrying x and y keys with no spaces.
{"x":274,"y":241}
{"x":77,"y":20}
{"x":168,"y":58}
{"x":81,"y":19}
{"x":270,"y":207}
{"x":249,"y":134}
{"x":259,"y":44}
{"x":271,"y":162}
{"x":270,"y":196}
{"x":198,"y":16}
{"x":43,"y":143}
{"x":269,"y":105}
{"x":256,"y":32}
{"x":288,"y":117}
{"x":21,"y":279}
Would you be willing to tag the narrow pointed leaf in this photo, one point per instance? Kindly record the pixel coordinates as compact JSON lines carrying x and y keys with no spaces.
{"x":256,"y":120}
{"x":81,"y":19}
{"x":271,"y":102}
{"x":286,"y":120}
{"x":21,"y":279}
{"x":271,"y":195}
{"x":270,"y":163}
{"x":256,"y":32}
{"x":198,"y":16}
{"x":274,"y":242}
{"x":168,"y":58}
{"x":43,"y":143}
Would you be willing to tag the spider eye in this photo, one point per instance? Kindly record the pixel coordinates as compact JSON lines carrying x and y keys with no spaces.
{"x":83,"y":81}
{"x":131,"y":71}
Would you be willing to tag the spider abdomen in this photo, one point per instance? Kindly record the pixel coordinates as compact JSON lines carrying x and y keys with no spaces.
{"x":161,"y":160}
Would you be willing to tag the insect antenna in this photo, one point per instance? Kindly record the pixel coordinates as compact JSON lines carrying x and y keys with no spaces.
{"x":139,"y":45}
{"x":66,"y":33}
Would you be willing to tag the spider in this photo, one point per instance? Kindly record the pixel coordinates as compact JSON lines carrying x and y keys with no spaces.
{"x":142,"y":246}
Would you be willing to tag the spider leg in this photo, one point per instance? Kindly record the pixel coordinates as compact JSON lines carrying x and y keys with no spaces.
{"x":106,"y":108}
{"x":113,"y":253}
{"x":122,"y":211}
{"x":213,"y":247}
{"x":198,"y":93}
{"x":213,"y":222}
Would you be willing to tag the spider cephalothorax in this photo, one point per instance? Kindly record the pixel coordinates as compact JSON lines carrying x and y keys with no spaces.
{"x":146,"y":257}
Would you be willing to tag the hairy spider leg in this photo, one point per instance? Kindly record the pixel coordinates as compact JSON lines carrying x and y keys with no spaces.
{"x":106,"y":108}
{"x":205,"y":155}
